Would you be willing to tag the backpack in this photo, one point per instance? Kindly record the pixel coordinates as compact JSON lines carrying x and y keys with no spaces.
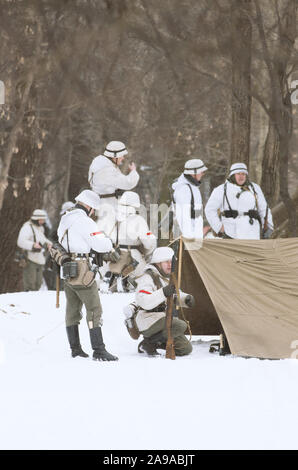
{"x":131,"y":323}
{"x":21,"y":256}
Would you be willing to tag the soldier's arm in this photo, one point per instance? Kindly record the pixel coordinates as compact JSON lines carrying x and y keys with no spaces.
{"x":146,"y":297}
{"x":212,"y":207}
{"x":262,"y":206}
{"x":24,"y":239}
{"x":183,"y":208}
{"x":96,"y":239}
{"x":121,"y":181}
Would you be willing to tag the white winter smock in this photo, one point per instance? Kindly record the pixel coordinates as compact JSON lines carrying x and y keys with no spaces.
{"x":230,"y":196}
{"x":83,"y":234}
{"x":131,"y":229}
{"x":105,"y":177}
{"x":27,"y":238}
{"x":184,"y":193}
{"x":148,"y":297}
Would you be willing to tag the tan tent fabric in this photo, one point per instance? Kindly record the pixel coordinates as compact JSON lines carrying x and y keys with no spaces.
{"x":202,"y":317}
{"x":253,"y":285}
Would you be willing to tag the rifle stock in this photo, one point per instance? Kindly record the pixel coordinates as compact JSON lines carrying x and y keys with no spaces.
{"x":170,"y":350}
{"x":57,"y":286}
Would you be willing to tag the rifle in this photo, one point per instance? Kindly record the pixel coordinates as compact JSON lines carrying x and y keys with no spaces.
{"x":170,"y":350}
{"x":265,"y":226}
{"x":57,"y":286}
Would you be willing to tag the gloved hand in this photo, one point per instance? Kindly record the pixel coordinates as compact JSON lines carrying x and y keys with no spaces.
{"x":231,"y":213}
{"x":267,"y":234}
{"x":168,"y":290}
{"x":190,"y":301}
{"x":113,"y":256}
{"x":253,"y":214}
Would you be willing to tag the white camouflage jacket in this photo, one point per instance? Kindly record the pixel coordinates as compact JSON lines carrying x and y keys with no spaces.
{"x":183,"y":193}
{"x":26,"y":241}
{"x":105,"y":177}
{"x":83,"y":234}
{"x":241,"y":201}
{"x":148,"y":296}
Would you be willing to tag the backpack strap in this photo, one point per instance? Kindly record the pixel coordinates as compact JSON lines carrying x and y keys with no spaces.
{"x":155,"y":278}
{"x":34,"y":236}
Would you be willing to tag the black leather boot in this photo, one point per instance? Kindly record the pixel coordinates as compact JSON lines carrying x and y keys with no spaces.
{"x":74,"y":341}
{"x":148,"y":347}
{"x":224,"y":348}
{"x":100,"y":353}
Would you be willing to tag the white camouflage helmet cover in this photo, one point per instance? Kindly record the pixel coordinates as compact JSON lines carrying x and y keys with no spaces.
{"x":161,"y":254}
{"x":130,"y":198}
{"x":194,"y":167}
{"x":115,"y":149}
{"x":39,"y":214}
{"x":238,"y":168}
{"x":89,"y":197}
{"x":66,"y":206}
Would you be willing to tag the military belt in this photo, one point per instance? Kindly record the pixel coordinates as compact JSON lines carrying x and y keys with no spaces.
{"x":129,"y":247}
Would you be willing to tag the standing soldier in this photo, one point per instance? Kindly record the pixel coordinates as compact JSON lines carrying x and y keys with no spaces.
{"x":238,"y":208}
{"x":132,"y":235}
{"x":188,"y":201}
{"x":32,"y":240}
{"x":151,"y":297}
{"x":107,"y":180}
{"x":78,"y":234}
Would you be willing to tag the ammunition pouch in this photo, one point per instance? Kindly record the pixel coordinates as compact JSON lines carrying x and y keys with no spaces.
{"x":69,"y":270}
{"x":125,"y":265}
{"x":160,"y":308}
{"x":21,"y":257}
{"x":131,"y":324}
{"x":59,"y":254}
{"x":230,"y":214}
{"x":79,"y":273}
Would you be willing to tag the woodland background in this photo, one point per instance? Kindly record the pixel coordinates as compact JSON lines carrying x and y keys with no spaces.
{"x":174,"y":80}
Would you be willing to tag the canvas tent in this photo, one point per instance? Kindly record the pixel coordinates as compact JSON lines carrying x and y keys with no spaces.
{"x":248,"y":288}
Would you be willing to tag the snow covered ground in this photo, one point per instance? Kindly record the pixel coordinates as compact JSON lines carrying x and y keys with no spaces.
{"x":50,"y":401}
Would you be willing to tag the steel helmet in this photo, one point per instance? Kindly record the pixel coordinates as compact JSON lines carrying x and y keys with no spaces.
{"x":238,"y":168}
{"x":89,"y":197}
{"x":115,"y":149}
{"x":161,"y":254}
{"x":130,"y":198}
{"x":194,"y":166}
{"x":39,"y":214}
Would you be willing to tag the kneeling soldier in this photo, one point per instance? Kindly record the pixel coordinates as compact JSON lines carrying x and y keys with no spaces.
{"x":152,"y":292}
{"x":78,"y":234}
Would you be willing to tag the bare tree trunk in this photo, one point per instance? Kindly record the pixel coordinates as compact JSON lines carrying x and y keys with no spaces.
{"x":12,"y":142}
{"x":241,"y":80}
{"x":270,"y":166}
{"x":277,"y":151}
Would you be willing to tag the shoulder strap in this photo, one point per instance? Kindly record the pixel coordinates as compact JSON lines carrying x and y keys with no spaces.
{"x":192,"y":203}
{"x":65,"y":233}
{"x":34,"y":236}
{"x":225,"y":197}
{"x":155,"y":278}
{"x":255,"y":195}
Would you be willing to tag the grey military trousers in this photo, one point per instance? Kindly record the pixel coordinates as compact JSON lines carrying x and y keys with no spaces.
{"x":182,"y":345}
{"x":76,"y":297}
{"x":32,"y":276}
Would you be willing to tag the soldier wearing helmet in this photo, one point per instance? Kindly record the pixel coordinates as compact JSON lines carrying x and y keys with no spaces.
{"x":238,"y":208}
{"x":107,"y":180}
{"x":78,"y":234}
{"x":188,"y":201}
{"x":32,"y":241}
